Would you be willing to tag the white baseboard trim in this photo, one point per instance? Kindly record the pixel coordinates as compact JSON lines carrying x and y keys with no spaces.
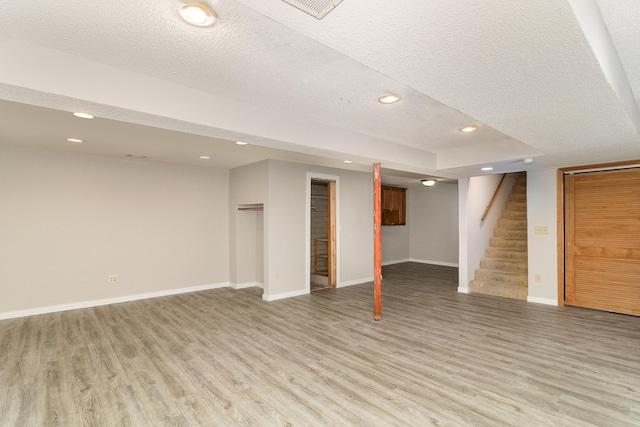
{"x":245,"y":285}
{"x":547,"y":301}
{"x":284,"y":295}
{"x":463,"y":290}
{"x":397,"y":261}
{"x":354,"y":282}
{"x":427,"y":261}
{"x":107,"y":301}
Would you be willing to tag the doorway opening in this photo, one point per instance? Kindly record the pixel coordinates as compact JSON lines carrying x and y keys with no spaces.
{"x":322,"y":234}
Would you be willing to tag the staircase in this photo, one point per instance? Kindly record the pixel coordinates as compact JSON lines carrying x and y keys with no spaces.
{"x":503,"y":270}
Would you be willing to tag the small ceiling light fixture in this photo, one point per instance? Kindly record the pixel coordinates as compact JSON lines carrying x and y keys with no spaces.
{"x":76,"y":140}
{"x":348,"y":162}
{"x":241,"y":143}
{"x":83,"y":115}
{"x":198,"y":14}
{"x":486,"y":169}
{"x":428,"y":182}
{"x":528,"y":160}
{"x":468,"y":129}
{"x":205,"y":157}
{"x":389,"y":99}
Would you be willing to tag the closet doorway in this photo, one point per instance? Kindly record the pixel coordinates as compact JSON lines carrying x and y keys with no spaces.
{"x":322,"y":234}
{"x":602,"y":249}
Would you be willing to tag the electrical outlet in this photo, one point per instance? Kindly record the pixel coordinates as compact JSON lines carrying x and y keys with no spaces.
{"x":112,"y":279}
{"x":275,"y":275}
{"x":541,"y":229}
{"x":538,"y":277}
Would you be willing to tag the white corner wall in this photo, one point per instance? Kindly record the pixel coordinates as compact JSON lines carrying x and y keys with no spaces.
{"x":286,"y":227}
{"x":431,"y":233}
{"x":248,"y":258}
{"x":69,"y":220}
{"x":542,"y":210}
{"x":395,"y":239}
{"x":434,"y":224}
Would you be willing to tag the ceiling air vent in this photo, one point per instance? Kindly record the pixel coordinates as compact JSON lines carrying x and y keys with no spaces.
{"x":315,"y":8}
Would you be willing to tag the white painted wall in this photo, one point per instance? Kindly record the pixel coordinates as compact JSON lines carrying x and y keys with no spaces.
{"x":355,"y":227}
{"x":431,"y":233}
{"x":259,"y":258}
{"x":474,"y":196}
{"x":68,"y":221}
{"x":463,"y":235}
{"x":434,"y":224}
{"x":286,"y":229}
{"x":287,"y":226}
{"x":542,"y":210}
{"x":396,"y":240}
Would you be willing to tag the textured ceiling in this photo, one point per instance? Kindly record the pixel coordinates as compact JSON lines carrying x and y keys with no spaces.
{"x":277,"y":77}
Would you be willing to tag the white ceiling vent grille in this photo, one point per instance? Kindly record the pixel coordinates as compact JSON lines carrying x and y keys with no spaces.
{"x":315,"y":8}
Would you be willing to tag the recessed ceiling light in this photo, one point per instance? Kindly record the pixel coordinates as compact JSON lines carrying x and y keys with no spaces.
{"x":468,"y":129}
{"x":77,"y":140}
{"x":528,"y":160}
{"x":488,"y":168}
{"x":241,"y":143}
{"x":83,"y":115}
{"x":198,"y":14}
{"x":389,"y":99}
{"x":428,"y":182}
{"x":205,"y":157}
{"x":348,"y":162}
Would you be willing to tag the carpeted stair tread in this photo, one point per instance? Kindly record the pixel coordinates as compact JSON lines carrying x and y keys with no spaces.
{"x":499,"y":289}
{"x":504,"y":265}
{"x":515,"y":233}
{"x":502,"y":253}
{"x":519,"y":279}
{"x":508,"y":243}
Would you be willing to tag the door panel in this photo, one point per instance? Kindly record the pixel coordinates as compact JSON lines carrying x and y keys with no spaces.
{"x":602,"y":240}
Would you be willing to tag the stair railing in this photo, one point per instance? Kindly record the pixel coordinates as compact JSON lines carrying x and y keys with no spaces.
{"x":495,"y":193}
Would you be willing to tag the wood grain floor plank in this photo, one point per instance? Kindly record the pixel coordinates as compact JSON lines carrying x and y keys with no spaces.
{"x":225,"y":357}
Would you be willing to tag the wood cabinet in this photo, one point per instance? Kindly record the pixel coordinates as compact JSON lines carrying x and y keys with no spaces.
{"x":394,"y":200}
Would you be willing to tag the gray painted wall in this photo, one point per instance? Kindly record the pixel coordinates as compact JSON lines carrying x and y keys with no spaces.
{"x":434,"y":223}
{"x":431,"y":233}
{"x":68,"y":221}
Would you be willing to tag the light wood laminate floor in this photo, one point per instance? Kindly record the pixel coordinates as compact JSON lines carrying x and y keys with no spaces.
{"x":226,"y":357}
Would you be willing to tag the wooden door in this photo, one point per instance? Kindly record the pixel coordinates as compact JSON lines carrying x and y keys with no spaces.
{"x":602,"y":240}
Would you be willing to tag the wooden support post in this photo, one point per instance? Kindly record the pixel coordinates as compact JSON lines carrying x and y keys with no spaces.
{"x":377,"y":251}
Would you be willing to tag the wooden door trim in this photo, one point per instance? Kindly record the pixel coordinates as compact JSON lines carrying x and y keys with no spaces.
{"x":331,"y":232}
{"x":569,"y":239}
{"x":612,"y":165}
{"x":560,"y":234}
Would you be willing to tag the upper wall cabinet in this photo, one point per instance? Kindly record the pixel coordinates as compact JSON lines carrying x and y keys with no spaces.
{"x":394,"y":201}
